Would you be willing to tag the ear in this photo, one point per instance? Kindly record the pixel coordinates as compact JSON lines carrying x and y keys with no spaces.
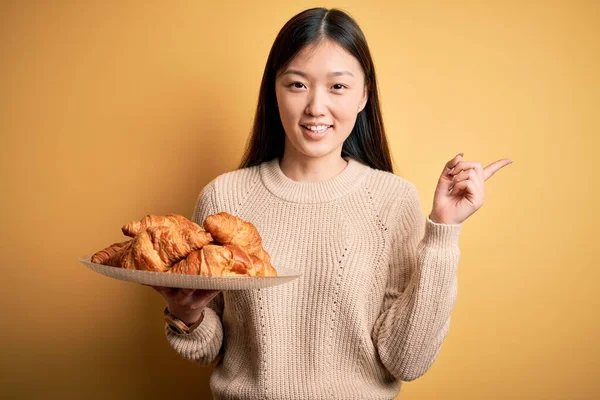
{"x":363,"y":100}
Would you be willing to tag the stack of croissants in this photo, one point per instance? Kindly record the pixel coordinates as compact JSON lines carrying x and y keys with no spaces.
{"x":224,"y":246}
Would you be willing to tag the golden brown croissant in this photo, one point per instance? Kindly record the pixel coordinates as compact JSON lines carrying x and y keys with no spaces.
{"x":262,"y":268}
{"x":191,"y":265}
{"x":238,"y":260}
{"x":115,"y":259}
{"x":229,"y":229}
{"x":177,"y":245}
{"x":102,"y":256}
{"x":216,"y":260}
{"x":174,"y":221}
{"x":158,"y":248}
{"x":211,"y":260}
{"x":228,"y":260}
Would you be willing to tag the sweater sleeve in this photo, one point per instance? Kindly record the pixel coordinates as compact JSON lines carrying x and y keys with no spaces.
{"x":420,"y":293}
{"x":204,"y":343}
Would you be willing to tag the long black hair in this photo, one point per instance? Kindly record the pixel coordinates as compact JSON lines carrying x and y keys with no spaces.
{"x":367,"y":141}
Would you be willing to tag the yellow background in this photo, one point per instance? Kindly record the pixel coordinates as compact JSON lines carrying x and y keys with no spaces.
{"x":113,"y":110}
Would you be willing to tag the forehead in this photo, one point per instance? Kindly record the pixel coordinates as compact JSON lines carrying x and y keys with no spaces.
{"x":324,"y":57}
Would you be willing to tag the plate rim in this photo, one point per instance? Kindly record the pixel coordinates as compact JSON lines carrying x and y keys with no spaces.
{"x":237,"y":282}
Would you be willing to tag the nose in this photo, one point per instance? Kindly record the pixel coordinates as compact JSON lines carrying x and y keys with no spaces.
{"x":317,"y":103}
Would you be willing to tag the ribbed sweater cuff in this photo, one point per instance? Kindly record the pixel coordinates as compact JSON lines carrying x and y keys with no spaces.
{"x":203,"y":343}
{"x":441,"y":235}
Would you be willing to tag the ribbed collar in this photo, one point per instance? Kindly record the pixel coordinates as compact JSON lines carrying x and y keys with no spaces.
{"x":312,"y":192}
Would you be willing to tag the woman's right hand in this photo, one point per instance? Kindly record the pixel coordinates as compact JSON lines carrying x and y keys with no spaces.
{"x":186,"y":304}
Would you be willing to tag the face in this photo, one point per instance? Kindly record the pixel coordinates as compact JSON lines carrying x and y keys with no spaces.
{"x":319,"y":96}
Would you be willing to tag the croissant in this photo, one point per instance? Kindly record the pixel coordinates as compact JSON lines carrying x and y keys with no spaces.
{"x":262,"y":268}
{"x":228,"y":260}
{"x":229,"y":229}
{"x":211,"y":260}
{"x":192,"y":265}
{"x":234,"y":259}
{"x":104,"y":255}
{"x":154,"y":249}
{"x":175,"y":221}
{"x":115,"y":259}
{"x":158,"y":248}
{"x":175,"y":244}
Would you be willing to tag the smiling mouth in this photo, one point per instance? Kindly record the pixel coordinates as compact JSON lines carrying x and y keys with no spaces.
{"x":321,"y":129}
{"x":316,"y":134}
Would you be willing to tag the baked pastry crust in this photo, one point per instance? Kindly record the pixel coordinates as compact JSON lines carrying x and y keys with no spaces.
{"x":175,"y":221}
{"x":224,"y":246}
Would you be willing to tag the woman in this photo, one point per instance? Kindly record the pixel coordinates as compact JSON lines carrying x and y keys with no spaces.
{"x":378,"y":283}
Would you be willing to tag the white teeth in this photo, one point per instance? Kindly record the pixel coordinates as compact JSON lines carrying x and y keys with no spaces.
{"x":318,"y":128}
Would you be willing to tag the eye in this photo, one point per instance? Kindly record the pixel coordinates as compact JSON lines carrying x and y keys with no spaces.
{"x":296,"y":85}
{"x":339,"y":86}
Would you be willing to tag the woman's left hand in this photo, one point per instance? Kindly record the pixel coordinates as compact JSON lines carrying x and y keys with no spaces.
{"x":460,"y":189}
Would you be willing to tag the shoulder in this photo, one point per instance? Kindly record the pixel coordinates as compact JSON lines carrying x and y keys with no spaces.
{"x":237,"y":179}
{"x":392,"y":197}
{"x":228,"y":189}
{"x":390,"y":190}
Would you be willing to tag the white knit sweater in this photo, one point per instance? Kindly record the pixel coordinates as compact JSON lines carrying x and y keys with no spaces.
{"x":371,"y":308}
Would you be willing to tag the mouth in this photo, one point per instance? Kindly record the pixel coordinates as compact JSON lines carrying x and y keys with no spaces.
{"x":316,"y":132}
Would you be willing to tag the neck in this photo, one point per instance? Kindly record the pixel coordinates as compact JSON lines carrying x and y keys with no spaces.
{"x":312,"y":169}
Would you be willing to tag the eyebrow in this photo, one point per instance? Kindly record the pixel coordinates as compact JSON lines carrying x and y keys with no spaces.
{"x":297,"y":72}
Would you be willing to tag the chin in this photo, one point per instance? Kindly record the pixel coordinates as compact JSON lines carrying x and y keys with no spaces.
{"x":313,"y":152}
{"x":317,"y":149}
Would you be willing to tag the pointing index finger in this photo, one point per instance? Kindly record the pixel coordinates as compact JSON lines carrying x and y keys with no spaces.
{"x":495,"y":167}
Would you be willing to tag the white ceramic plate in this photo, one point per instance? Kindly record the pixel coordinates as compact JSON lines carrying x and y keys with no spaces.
{"x":192,"y":281}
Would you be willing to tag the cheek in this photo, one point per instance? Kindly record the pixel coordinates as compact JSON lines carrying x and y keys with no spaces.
{"x":346,"y":111}
{"x":287,"y":109}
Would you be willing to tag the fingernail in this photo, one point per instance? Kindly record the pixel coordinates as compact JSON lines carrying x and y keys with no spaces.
{"x":460,"y":154}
